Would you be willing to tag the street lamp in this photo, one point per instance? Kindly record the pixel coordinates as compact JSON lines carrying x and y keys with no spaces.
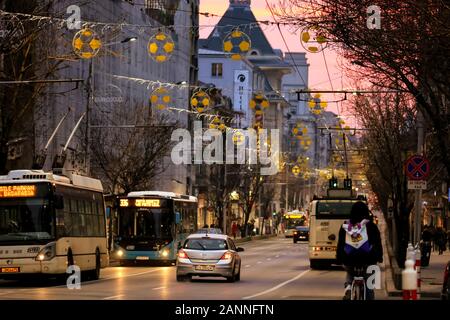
{"x":129,"y":39}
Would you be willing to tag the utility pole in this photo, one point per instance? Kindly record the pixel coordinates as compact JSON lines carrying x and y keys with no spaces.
{"x":418,"y":193}
{"x":90,"y":99}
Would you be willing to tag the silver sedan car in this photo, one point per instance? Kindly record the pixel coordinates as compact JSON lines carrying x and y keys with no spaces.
{"x":209,"y":255}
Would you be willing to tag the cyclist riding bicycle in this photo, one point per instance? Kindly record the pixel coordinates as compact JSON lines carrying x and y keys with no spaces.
{"x":359,"y":246}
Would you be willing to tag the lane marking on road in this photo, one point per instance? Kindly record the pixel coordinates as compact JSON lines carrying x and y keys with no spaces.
{"x":158,"y":288}
{"x":269,"y":259}
{"x":113,"y":297}
{"x":277,"y":256}
{"x":247,"y":266}
{"x":278,"y":286}
{"x":259,"y":262}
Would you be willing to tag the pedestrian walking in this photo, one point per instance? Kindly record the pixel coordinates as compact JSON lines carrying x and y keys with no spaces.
{"x":234,"y":229}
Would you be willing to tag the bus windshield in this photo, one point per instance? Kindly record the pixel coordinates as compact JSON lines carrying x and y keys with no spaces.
{"x":25,"y":219}
{"x":291,"y":223}
{"x":148,"y":223}
{"x":334,"y":209}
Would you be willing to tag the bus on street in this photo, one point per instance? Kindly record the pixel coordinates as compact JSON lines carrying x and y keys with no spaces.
{"x":327,"y":215}
{"x":291,"y":220}
{"x":49,"y":222}
{"x":151,"y":225}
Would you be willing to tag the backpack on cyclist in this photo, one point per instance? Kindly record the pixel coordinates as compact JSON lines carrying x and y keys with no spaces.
{"x":357,"y":246}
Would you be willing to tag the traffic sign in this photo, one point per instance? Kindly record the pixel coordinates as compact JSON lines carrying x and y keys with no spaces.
{"x":417,"y":167}
{"x":417,"y":185}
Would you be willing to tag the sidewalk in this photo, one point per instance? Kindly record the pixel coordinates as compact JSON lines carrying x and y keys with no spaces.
{"x":433,"y":275}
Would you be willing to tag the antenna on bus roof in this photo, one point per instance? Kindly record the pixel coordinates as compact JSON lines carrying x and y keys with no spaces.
{"x":60,"y":159}
{"x":39,"y":159}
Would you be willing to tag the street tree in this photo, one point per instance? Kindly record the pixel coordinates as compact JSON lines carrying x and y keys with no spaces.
{"x":128,"y":159}
{"x":406,"y":50}
{"x":25,"y":55}
{"x":390,"y":120}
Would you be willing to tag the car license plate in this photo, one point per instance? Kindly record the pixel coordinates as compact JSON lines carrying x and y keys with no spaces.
{"x":204,"y":268}
{"x":9,"y":270}
{"x":142,"y":258}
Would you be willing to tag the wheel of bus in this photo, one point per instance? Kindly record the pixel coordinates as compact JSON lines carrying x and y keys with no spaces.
{"x":95,"y":274}
{"x":63,"y":277}
{"x":315,"y":265}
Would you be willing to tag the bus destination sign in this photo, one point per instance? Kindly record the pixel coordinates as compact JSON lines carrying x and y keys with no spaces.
{"x":17,"y":191}
{"x":142,"y":203}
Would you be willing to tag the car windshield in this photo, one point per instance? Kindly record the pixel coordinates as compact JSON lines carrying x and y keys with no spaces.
{"x":145,"y":223}
{"x":205,"y":244}
{"x":25,"y":219}
{"x":302,"y":228}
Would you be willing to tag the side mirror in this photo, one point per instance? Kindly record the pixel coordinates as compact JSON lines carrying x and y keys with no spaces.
{"x":239,"y":249}
{"x":177,"y":218}
{"x":179,"y":245}
{"x":58,"y":201}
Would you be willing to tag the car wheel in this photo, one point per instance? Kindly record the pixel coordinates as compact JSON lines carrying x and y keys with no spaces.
{"x":233,"y":276}
{"x":238,"y":276}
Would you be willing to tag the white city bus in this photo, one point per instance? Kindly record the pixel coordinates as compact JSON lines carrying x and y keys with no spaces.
{"x":49,"y":222}
{"x":326,"y":218}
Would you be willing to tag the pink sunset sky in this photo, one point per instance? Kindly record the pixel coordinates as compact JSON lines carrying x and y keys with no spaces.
{"x":318,"y":78}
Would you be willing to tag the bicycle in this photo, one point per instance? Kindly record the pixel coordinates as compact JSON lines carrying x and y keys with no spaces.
{"x":358,"y":289}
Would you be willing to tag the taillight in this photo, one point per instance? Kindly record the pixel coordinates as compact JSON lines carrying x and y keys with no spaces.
{"x":227,"y":256}
{"x":182,"y":254}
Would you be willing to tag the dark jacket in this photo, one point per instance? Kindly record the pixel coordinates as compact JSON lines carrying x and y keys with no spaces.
{"x":374,"y":256}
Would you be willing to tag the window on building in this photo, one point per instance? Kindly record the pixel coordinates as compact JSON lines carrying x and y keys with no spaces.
{"x":216,"y":69}
{"x":162,"y":11}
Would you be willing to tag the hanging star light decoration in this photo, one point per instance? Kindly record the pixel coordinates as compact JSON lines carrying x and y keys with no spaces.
{"x":161,"y":47}
{"x":200,"y":101}
{"x":237,"y":43}
{"x":86,"y":43}
{"x":313,"y":39}
{"x":238,"y":137}
{"x":316,"y":105}
{"x":217,"y":123}
{"x":161,"y":98}
{"x":296,"y":170}
{"x":300,"y":131}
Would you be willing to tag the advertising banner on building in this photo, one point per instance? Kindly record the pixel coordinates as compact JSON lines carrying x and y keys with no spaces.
{"x":241,"y":90}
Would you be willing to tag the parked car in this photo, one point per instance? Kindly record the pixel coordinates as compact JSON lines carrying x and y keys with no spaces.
{"x":209,"y":255}
{"x":301,"y":233}
{"x":445,"y":294}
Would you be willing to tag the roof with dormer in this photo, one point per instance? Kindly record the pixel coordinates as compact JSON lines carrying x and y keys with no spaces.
{"x":238,"y":14}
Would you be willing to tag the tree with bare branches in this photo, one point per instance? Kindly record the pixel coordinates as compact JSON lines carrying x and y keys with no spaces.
{"x":391,"y":136}
{"x":128,"y":159}
{"x":25,"y":66}
{"x":409,"y":52}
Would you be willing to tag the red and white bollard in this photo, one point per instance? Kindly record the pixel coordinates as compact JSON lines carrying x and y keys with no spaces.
{"x":409,"y":281}
{"x":417,"y":268}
